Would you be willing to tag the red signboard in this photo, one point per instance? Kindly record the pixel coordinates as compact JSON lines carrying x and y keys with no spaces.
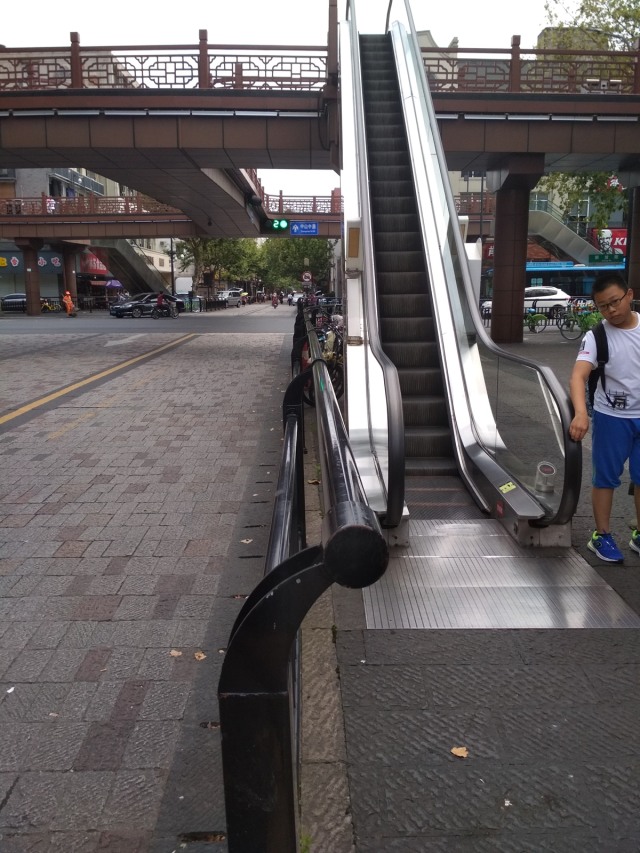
{"x":609,"y":240}
{"x":89,"y":263}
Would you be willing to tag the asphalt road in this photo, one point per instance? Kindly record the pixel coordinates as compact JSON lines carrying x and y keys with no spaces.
{"x":252,"y":319}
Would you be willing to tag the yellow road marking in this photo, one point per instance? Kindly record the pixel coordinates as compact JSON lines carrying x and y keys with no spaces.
{"x":71,"y":425}
{"x":23,"y":410}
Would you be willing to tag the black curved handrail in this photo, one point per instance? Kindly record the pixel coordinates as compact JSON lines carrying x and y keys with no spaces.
{"x":258,"y":680}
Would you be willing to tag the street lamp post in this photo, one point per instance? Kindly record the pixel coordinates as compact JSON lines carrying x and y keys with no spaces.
{"x":172,"y":255}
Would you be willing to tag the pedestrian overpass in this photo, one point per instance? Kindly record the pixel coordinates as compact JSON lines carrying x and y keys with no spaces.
{"x":188,"y":126}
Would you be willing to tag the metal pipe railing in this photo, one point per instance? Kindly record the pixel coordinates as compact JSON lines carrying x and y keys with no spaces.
{"x":258,"y":682}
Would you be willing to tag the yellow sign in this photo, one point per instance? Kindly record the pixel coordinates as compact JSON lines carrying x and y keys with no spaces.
{"x":507,"y":487}
{"x":3,"y":262}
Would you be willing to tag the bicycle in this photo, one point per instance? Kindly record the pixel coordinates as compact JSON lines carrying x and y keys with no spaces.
{"x":535,"y":321}
{"x":167,"y":311}
{"x":576,"y":322}
{"x":331,"y":339}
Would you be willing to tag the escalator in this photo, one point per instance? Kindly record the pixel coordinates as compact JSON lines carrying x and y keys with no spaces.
{"x":433,"y":488}
{"x":127,"y":265}
{"x":444,"y":424}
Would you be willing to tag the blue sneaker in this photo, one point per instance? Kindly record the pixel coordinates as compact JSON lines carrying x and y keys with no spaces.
{"x":634,"y":542}
{"x":604,"y":547}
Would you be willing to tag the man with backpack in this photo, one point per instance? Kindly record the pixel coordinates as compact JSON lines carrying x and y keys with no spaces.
{"x":616,"y":407}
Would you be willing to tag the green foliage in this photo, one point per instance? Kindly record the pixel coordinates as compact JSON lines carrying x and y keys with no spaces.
{"x":224,"y":258}
{"x":617,"y":20}
{"x":570,"y":189}
{"x":279,"y":262}
{"x":591,"y":25}
{"x":283,"y":260}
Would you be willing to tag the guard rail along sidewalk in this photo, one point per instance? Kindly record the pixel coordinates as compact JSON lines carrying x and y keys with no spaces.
{"x":257,"y":691}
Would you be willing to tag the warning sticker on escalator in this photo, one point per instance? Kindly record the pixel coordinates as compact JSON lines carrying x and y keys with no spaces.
{"x":507,"y":487}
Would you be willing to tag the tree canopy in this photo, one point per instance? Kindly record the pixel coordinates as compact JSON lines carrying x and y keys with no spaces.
{"x":278,"y":262}
{"x":571,"y":189}
{"x":592,"y":25}
{"x":617,"y":20}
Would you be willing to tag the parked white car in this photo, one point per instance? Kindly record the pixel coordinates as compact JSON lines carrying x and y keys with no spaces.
{"x":546,"y":300}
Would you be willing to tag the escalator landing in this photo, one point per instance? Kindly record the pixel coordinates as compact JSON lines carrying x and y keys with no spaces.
{"x":472,"y":574}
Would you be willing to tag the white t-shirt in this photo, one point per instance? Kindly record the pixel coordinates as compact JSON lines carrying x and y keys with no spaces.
{"x":622,"y":371}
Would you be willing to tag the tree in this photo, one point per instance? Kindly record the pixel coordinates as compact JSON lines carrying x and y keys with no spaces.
{"x":591,"y":25}
{"x":617,"y":20}
{"x":283,"y":260}
{"x":235,"y":259}
{"x":571,"y":189}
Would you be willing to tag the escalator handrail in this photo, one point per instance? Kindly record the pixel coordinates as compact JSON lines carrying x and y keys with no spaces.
{"x":572,"y":450}
{"x":395,"y":418}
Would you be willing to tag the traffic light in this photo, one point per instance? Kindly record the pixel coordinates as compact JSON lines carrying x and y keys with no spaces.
{"x":275,"y":226}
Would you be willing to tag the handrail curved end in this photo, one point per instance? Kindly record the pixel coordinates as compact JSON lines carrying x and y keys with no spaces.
{"x":356,"y":553}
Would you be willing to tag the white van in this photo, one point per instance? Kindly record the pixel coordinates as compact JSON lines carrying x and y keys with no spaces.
{"x":233,"y":297}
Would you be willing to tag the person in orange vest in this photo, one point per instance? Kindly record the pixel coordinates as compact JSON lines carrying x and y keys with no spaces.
{"x":67,"y":301}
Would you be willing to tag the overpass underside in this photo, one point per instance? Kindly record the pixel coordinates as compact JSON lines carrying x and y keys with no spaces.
{"x":192,"y":150}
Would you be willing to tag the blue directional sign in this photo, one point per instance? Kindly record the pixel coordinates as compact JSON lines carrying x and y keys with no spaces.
{"x":303,"y":229}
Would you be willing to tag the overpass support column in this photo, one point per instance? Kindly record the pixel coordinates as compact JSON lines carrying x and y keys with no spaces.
{"x":512,"y":183}
{"x":30,"y":249}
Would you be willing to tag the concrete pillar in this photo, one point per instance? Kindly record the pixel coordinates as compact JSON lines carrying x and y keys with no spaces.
{"x":509,"y":264}
{"x":30,"y":249}
{"x":511,"y":180}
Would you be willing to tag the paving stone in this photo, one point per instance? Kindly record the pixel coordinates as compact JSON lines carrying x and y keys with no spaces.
{"x":28,"y":665}
{"x":130,"y":700}
{"x":7,"y":656}
{"x":151,"y":745}
{"x":165,"y":700}
{"x":104,"y":745}
{"x":93,"y":664}
{"x":79,"y":635}
{"x":134,"y":800}
{"x":52,"y":745}
{"x":63,"y":665}
{"x":135,"y":607}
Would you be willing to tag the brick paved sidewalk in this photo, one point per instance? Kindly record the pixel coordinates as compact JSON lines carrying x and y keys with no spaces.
{"x":134,"y":517}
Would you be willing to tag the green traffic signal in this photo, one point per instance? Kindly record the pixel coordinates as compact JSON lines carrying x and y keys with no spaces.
{"x":277,"y":225}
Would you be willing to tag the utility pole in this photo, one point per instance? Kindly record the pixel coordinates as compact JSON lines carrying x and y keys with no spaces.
{"x":172,"y":255}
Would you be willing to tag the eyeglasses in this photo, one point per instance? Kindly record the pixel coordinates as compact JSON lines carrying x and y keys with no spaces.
{"x":608,"y":306}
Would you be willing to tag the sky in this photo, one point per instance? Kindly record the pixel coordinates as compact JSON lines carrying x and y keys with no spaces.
{"x":260,"y":22}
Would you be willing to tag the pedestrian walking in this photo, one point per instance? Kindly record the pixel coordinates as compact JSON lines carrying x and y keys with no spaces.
{"x":67,"y":301}
{"x":616,"y":409}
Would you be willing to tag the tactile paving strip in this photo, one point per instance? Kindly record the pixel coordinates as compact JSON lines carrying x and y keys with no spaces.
{"x":473,"y":575}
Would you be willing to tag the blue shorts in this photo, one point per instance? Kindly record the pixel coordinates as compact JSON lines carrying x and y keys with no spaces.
{"x":614,"y":440}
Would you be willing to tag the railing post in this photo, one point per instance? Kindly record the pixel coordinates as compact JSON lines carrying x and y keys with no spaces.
{"x":76,"y":62}
{"x":238,"y":76}
{"x":514,"y":66}
{"x":204,"y":78}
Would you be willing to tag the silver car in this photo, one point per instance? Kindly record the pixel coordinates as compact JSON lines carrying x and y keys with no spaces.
{"x":233,"y":297}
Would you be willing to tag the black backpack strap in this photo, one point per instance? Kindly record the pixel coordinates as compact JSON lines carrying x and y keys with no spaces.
{"x":602,"y":349}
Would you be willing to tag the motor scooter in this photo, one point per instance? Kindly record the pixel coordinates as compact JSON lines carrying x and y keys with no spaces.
{"x":274,"y":300}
